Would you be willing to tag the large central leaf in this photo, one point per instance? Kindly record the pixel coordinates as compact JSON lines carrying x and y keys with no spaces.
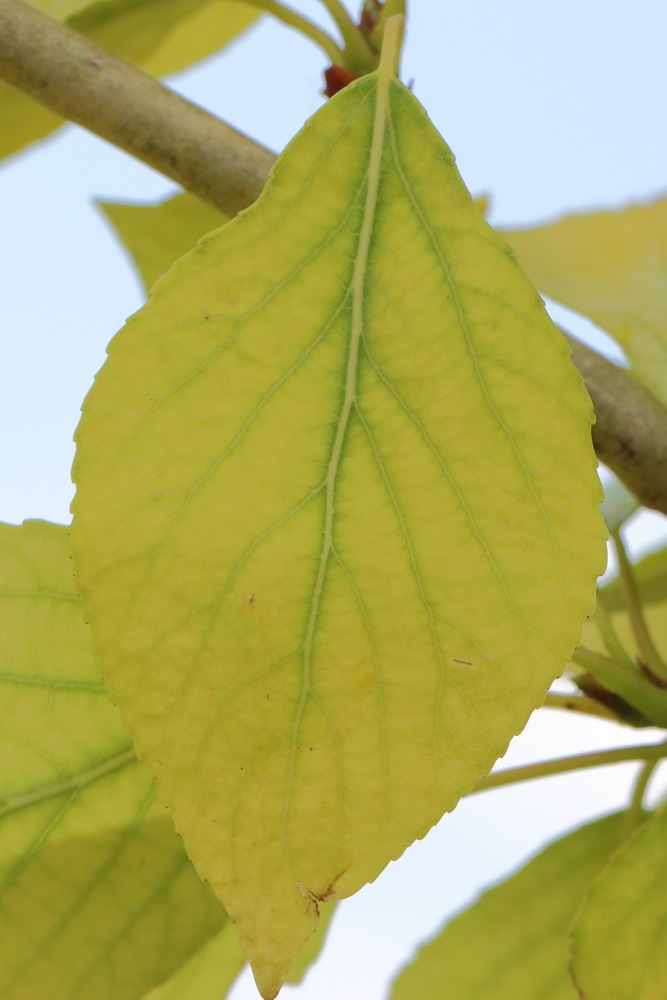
{"x":336,"y":521}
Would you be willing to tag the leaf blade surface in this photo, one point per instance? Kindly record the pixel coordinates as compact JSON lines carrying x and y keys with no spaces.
{"x":97,"y":897}
{"x":512,"y":943}
{"x":612,"y":267}
{"x":362,"y":610}
{"x":619,"y":937}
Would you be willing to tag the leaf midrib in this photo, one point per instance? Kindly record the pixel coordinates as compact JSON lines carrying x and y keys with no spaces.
{"x":349,"y":398}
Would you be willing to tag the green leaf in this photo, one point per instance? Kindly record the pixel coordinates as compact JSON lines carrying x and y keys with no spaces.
{"x":612,"y":267}
{"x":651,"y":576}
{"x":337,"y":517}
{"x":512,"y":944}
{"x":157,"y":235}
{"x":619,"y":940}
{"x":161,"y":36}
{"x":209,"y":974}
{"x":97,"y":897}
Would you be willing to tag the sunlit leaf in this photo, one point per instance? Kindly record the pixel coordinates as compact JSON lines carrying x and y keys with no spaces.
{"x":161,"y":36}
{"x":209,"y":974}
{"x":619,"y":940}
{"x":512,"y":944}
{"x":97,"y":896}
{"x":157,"y":235}
{"x":336,"y":521}
{"x":612,"y":267}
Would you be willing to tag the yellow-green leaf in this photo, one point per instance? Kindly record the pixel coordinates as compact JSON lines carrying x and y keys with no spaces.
{"x":209,"y":974}
{"x":612,"y":267}
{"x":161,"y":36}
{"x":512,"y":944}
{"x":619,"y":940}
{"x":97,"y":896}
{"x":337,"y":517}
{"x":156,"y":235}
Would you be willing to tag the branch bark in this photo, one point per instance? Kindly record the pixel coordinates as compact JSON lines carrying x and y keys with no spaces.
{"x":630,"y":430}
{"x":78,"y":80}
{"x":81,"y":82}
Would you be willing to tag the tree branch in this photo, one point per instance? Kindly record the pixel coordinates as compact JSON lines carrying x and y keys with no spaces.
{"x":72,"y":76}
{"x":81,"y":82}
{"x":630,"y":430}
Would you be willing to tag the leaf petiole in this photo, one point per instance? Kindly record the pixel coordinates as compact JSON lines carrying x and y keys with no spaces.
{"x":649,"y":752}
{"x":634,"y":810}
{"x":605,"y":627}
{"x":358,"y":57}
{"x":647,"y":648}
{"x":306,"y":27}
{"x":630,"y":684}
{"x":581,"y":704}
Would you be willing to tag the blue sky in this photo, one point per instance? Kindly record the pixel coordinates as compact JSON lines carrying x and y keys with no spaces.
{"x":549,"y":108}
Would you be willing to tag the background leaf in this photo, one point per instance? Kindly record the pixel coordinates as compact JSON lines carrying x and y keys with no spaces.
{"x":209,"y":974}
{"x":651,"y":576}
{"x":619,"y":940}
{"x":512,"y":944}
{"x":157,"y":235}
{"x":161,"y":36}
{"x":97,"y":897}
{"x":612,"y":267}
{"x":337,"y":517}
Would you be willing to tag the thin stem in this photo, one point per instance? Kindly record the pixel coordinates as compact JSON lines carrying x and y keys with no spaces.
{"x":635,"y":811}
{"x":359,"y":57}
{"x":564,"y":765}
{"x":306,"y":27}
{"x":632,"y":686}
{"x":392,"y":42}
{"x":581,"y":704}
{"x":610,"y":638}
{"x":633,"y":605}
{"x":390,"y":8}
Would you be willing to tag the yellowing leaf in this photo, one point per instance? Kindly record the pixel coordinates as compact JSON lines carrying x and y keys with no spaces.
{"x":209,"y":974}
{"x":619,"y":940}
{"x":337,"y":517}
{"x":156,"y":235}
{"x":512,"y":944}
{"x":161,"y":36}
{"x":612,"y":267}
{"x":97,"y":897}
